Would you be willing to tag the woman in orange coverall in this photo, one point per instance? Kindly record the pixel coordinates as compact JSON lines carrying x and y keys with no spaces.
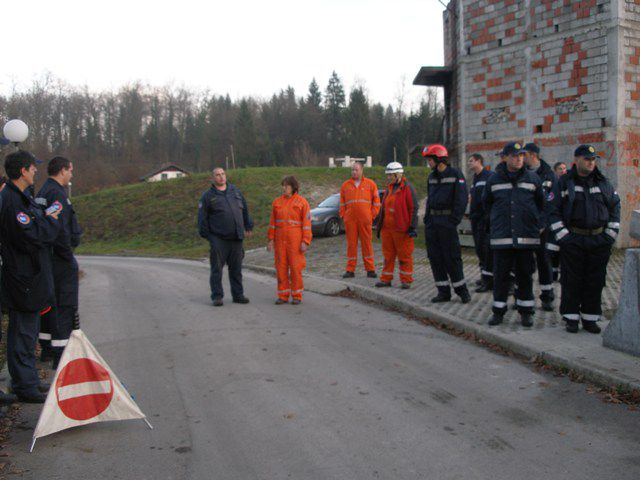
{"x":397,"y":226}
{"x":290,"y":236}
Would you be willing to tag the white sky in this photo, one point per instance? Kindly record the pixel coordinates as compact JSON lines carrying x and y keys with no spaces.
{"x":240,"y":47}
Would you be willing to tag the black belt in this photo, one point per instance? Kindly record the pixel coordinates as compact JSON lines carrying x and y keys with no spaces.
{"x":586,"y":231}
{"x":440,"y":212}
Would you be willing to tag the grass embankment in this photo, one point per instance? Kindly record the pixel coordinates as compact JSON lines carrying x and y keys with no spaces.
{"x":159,"y":219}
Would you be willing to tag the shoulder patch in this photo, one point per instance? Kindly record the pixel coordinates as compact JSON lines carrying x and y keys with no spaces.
{"x":550,"y":197}
{"x":23,"y":218}
{"x":41,"y":201}
{"x":55,"y":207}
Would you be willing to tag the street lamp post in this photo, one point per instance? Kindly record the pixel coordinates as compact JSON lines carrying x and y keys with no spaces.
{"x":16,"y":131}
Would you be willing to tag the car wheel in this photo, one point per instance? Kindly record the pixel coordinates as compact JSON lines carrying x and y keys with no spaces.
{"x":332,"y":228}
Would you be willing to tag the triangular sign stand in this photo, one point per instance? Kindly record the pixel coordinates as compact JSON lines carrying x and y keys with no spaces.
{"x":84,"y":390}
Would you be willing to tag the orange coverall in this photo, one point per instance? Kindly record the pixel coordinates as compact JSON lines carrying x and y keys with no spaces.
{"x":394,"y":243}
{"x":358,"y":207}
{"x":290,"y":225}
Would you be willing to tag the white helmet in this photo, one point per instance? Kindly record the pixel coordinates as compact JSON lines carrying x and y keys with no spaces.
{"x":394,"y":167}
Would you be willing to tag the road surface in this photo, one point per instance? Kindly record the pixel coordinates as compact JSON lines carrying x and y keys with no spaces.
{"x":330,"y":389}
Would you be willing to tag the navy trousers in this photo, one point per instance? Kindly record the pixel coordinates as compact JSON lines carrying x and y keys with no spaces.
{"x":225,"y":252}
{"x":22,"y":336}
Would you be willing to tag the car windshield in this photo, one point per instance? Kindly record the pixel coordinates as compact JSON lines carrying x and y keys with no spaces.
{"x":332,"y":202}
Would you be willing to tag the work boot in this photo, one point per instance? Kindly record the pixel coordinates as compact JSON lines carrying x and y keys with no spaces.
{"x":348,"y":275}
{"x":280,"y":301}
{"x":484,"y":288}
{"x":464,"y":295}
{"x":44,"y":387}
{"x":590,"y":327}
{"x":572,"y":326}
{"x":217,"y":302}
{"x":496,"y":319}
{"x":32,"y":398}
{"x":547,"y":305}
{"x":296,"y":301}
{"x":46,"y":355}
{"x":242,"y":299}
{"x":479,"y":282}
{"x":7,"y":398}
{"x":405,"y":286}
{"x":372,"y":274}
{"x":383,"y":284}
{"x":441,"y":297}
{"x":526,"y":319}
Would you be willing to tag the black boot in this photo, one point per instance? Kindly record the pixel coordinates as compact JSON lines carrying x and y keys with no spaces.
{"x":348,"y":275}
{"x":547,"y":305}
{"x":591,"y":327}
{"x":496,"y":319}
{"x":526,"y":319}
{"x":382,"y":284}
{"x":371,"y":274}
{"x":572,"y":326}
{"x":441,"y":297}
{"x":487,"y":286}
{"x":464,"y":295}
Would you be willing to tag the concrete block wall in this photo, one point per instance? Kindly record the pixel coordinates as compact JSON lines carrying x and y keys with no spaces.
{"x":557,"y":72}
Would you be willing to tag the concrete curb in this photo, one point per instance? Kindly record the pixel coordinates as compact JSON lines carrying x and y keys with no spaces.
{"x":593,"y":373}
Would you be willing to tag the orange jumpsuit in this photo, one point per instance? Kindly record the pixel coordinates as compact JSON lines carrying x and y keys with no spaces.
{"x":290,"y":225}
{"x":359,"y":205}
{"x":395,"y":243}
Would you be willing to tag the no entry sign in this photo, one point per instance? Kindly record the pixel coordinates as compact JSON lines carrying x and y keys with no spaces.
{"x":84,"y":389}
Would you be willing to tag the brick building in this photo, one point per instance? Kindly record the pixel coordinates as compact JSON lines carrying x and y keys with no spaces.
{"x":557,"y":72}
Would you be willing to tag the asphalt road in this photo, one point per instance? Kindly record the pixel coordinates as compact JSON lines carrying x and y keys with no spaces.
{"x":330,"y":389}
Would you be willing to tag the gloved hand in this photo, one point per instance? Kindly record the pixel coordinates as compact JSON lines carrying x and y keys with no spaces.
{"x":412,"y":233}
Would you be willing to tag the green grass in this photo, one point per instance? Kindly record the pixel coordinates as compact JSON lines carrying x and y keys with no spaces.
{"x":159,"y":219}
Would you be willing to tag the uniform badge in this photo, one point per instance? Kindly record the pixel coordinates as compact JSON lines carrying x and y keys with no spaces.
{"x":592,"y":150}
{"x":23,"y":218}
{"x":550,"y":197}
{"x":517,"y":146}
{"x":55,"y":207}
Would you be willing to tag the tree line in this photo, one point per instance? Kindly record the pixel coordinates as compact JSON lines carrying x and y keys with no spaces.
{"x":116,"y":137}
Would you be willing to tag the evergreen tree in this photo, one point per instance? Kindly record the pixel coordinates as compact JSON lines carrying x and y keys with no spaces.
{"x":334,"y":113}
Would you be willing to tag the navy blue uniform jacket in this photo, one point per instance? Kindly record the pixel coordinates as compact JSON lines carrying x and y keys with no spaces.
{"x":446,"y":191}
{"x":223,"y":214}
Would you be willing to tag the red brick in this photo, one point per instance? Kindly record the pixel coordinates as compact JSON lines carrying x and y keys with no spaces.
{"x":582,"y":90}
{"x":478,"y":107}
{"x":479,"y":77}
{"x":522,"y":123}
{"x":518,"y":100}
{"x":634,"y":59}
{"x":564,"y":117}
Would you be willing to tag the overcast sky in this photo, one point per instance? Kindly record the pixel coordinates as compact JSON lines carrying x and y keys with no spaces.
{"x":240,"y":47}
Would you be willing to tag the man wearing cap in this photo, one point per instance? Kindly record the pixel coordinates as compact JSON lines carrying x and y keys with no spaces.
{"x":27,"y":283}
{"x":543,"y":252}
{"x":480,"y":221}
{"x":585,"y":222}
{"x":559,"y":168}
{"x":516,"y":201}
{"x":447,"y":198}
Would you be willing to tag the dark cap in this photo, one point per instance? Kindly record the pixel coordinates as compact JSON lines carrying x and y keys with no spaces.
{"x":531,"y":148}
{"x":511,"y":148}
{"x":586,"y":151}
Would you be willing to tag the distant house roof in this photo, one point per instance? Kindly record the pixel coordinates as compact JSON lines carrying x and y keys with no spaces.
{"x":167,"y":167}
{"x":434,"y":76}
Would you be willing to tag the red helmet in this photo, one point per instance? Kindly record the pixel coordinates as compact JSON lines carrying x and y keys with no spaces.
{"x":435,"y":150}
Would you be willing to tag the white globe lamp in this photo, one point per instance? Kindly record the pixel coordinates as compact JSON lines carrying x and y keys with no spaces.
{"x":16,"y":131}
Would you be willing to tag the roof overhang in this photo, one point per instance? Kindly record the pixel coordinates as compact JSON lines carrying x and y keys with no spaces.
{"x":434,"y":77}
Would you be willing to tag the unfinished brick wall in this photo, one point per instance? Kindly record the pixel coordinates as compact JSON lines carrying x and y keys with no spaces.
{"x":557,"y":72}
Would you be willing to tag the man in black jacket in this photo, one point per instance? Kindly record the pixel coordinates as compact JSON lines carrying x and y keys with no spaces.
{"x":27,"y":284}
{"x":64,"y":312}
{"x":585,"y":222}
{"x":447,"y":198}
{"x":223,"y":219}
{"x":516,"y":201}
{"x":480,"y":221}
{"x":543,"y":254}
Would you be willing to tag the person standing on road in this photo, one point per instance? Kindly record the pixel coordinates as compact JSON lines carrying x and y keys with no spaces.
{"x":585,"y":222}
{"x":543,"y":252}
{"x":397,"y":225}
{"x":447,"y":198}
{"x":359,"y":205}
{"x":480,"y":221}
{"x":289,"y":238}
{"x":560,"y":169}
{"x":27,"y":283}
{"x":64,"y":311}
{"x":223,"y":219}
{"x":515,"y":199}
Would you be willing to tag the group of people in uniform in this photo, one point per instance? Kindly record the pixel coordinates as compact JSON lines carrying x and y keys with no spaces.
{"x":39,"y":283}
{"x":525,"y":217}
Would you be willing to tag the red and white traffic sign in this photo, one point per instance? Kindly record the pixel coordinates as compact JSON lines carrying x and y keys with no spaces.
{"x":84,"y":389}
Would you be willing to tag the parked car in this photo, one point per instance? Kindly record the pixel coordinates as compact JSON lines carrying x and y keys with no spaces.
{"x":325,"y":218}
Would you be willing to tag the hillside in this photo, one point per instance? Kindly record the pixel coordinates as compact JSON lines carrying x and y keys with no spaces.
{"x":159,"y":219}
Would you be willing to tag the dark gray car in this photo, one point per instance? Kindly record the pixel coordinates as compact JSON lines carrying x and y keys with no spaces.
{"x":325,"y":218}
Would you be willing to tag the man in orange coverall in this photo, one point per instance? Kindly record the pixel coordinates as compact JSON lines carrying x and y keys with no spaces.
{"x":359,"y":205}
{"x":397,"y":226}
{"x":290,"y":235}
